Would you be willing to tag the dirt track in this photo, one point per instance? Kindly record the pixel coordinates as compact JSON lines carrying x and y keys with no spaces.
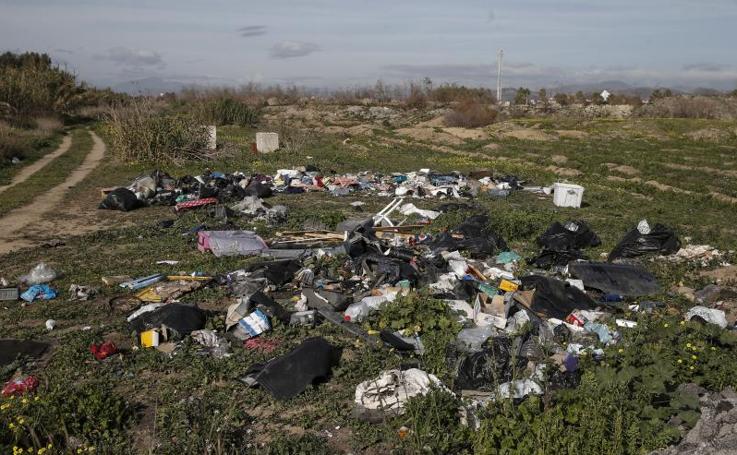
{"x":19,"y":226}
{"x":32,"y":168}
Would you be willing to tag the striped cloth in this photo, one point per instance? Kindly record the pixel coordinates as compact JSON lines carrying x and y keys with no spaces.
{"x":196,"y":203}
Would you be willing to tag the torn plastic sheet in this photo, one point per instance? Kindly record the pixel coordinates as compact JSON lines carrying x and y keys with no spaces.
{"x":620,"y":279}
{"x":409,"y":209}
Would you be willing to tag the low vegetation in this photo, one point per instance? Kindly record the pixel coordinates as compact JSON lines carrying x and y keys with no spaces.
{"x":471,"y":114}
{"x":142,"y":131}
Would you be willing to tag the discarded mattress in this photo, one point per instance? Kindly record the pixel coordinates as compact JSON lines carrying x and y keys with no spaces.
{"x":620,"y":279}
{"x":231,"y":243}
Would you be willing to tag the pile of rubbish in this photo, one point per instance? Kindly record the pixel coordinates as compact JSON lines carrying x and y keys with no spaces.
{"x":242,"y":190}
{"x":520,"y":334}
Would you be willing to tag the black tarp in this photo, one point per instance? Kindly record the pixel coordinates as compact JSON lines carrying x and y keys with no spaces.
{"x":289,"y":375}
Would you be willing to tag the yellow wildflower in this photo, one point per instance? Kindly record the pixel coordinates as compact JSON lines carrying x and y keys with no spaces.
{"x":11,"y":425}
{"x":680,"y":361}
{"x":694,"y":357}
{"x":665,"y":325}
{"x":24,"y":401}
{"x":688,"y":345}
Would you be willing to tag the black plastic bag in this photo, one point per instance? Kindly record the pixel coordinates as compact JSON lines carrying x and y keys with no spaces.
{"x":660,"y":239}
{"x":573,"y":235}
{"x":289,"y":375}
{"x":183,"y":319}
{"x":256,"y":188}
{"x":120,"y":199}
{"x":554,"y":298}
{"x":488,"y":368}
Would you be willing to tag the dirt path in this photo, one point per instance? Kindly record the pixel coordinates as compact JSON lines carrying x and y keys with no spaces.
{"x":16,"y":225}
{"x":36,"y":166}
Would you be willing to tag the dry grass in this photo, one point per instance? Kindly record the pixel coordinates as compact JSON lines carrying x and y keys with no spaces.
{"x":470,"y":114}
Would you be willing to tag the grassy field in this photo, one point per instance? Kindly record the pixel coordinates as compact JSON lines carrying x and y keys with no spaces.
{"x":147,"y":402}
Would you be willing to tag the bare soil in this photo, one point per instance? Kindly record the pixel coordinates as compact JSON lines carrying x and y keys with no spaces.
{"x":20,"y":226}
{"x":36,"y":166}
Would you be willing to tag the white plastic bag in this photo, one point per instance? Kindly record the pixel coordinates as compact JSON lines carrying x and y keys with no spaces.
{"x":42,"y":273}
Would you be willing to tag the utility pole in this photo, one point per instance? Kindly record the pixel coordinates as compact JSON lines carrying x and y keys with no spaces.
{"x":499,"y":57}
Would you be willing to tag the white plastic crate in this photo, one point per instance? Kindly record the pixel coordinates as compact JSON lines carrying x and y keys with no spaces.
{"x":567,"y":195}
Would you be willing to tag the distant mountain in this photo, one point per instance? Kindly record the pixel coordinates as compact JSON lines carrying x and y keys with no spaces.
{"x":150,"y":86}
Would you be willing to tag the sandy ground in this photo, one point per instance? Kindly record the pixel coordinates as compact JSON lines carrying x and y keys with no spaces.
{"x":25,"y":225}
{"x":36,"y":166}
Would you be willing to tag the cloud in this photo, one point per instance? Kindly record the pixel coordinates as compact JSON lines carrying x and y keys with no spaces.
{"x":252,"y":30}
{"x":706,"y":67}
{"x":291,"y":49}
{"x":137,"y":58}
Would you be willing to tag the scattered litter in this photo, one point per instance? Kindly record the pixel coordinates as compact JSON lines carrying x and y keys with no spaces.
{"x":77,"y":292}
{"x":103,"y":350}
{"x":50,"y":324}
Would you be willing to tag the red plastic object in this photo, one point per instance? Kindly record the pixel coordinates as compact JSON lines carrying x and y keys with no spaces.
{"x":20,"y":386}
{"x":104,"y":350}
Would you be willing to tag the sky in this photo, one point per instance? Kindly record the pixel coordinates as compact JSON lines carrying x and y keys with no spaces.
{"x":348,"y":43}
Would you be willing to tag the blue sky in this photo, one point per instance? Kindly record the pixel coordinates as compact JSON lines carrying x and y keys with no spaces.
{"x":334,"y":43}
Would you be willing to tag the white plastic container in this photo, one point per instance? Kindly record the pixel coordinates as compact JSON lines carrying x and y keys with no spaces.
{"x":567,"y":195}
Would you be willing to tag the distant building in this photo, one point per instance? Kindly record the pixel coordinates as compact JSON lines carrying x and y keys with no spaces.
{"x":605,"y":95}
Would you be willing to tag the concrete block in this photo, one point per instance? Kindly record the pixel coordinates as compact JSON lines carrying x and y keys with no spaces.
{"x":267,"y":142}
{"x":212,"y":137}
